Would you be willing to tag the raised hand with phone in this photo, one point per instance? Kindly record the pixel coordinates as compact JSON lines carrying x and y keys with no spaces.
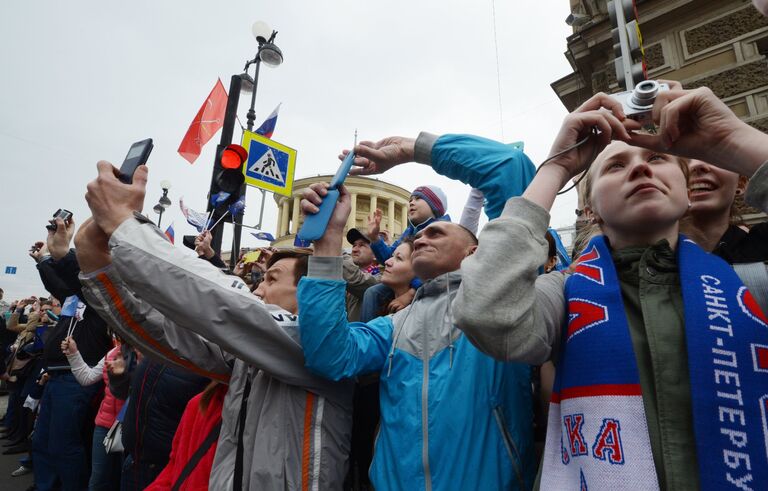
{"x":315,"y":223}
{"x":115,"y":194}
{"x":339,"y":206}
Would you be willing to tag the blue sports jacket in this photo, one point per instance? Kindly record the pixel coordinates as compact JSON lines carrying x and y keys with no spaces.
{"x":452,"y":418}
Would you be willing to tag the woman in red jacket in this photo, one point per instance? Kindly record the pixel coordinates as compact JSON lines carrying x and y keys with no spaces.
{"x":194,"y":443}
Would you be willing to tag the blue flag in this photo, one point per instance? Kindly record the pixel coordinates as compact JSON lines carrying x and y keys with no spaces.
{"x":263,"y":236}
{"x":219,"y":198}
{"x":237,"y":207}
{"x":69,"y":308}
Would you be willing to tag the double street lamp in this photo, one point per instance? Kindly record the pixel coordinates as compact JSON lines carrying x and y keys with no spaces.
{"x":269,"y":54}
{"x":164,"y":202}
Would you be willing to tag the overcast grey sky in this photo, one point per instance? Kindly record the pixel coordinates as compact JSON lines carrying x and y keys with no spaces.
{"x":82,"y":80}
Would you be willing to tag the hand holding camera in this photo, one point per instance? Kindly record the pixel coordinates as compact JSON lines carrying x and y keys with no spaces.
{"x":38,"y":251}
{"x":698,"y":125}
{"x":60,"y":236}
{"x":64,"y":215}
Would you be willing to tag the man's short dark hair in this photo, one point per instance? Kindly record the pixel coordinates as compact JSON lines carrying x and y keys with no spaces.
{"x":302,"y":261}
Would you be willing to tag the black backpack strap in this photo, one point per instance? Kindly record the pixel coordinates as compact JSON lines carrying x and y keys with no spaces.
{"x":198,"y":455}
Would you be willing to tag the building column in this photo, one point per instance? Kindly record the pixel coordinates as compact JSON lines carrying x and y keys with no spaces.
{"x":404,"y":218}
{"x":284,"y":215}
{"x":374,"y":202}
{"x":279,"y":231}
{"x":391,"y":215}
{"x":295,"y":215}
{"x":352,"y":220}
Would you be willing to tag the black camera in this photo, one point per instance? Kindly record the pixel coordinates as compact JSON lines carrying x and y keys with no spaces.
{"x":65,"y":215}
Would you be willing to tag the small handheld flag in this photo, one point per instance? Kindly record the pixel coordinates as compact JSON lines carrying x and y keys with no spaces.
{"x":194,"y":218}
{"x":170,"y":233}
{"x":219,"y":198}
{"x":263,"y":236}
{"x":69,"y":308}
{"x":238,"y":206}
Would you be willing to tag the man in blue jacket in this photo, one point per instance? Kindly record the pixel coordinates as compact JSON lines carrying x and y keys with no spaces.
{"x":451,"y":417}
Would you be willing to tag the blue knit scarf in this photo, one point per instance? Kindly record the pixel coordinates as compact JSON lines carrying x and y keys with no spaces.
{"x":598,"y":437}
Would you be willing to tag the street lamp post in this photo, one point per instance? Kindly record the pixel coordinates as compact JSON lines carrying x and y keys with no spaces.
{"x":269,"y":54}
{"x":164,"y":202}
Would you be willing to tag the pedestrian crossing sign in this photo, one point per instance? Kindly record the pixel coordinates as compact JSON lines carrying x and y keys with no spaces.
{"x":270,"y":165}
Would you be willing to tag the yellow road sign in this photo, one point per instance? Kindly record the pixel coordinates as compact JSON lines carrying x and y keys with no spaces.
{"x":270,"y":165}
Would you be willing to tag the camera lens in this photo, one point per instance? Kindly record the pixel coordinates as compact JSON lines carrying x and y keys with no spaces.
{"x":645,"y":93}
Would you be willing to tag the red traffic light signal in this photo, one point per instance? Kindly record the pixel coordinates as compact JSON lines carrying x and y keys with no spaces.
{"x":233,"y":157}
{"x":228,"y":176}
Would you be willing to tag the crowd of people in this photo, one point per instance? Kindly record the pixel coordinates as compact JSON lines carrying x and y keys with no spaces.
{"x":433,"y":360}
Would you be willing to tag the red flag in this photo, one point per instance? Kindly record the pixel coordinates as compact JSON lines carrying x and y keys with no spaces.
{"x":209,"y":119}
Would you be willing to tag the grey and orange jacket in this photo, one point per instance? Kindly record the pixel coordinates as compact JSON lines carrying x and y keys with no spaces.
{"x":291,"y":427}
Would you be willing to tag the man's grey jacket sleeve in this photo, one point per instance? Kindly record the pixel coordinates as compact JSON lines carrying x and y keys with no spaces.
{"x":504,"y":307}
{"x":150,"y":331}
{"x":202,"y":299}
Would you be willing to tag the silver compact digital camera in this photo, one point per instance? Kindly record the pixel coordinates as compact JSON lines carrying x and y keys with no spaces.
{"x":637,"y":103}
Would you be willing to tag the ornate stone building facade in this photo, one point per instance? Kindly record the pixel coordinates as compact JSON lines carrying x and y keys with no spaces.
{"x":721,"y":44}
{"x":367,"y":194}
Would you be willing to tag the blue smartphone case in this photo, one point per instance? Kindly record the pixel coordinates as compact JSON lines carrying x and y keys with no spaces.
{"x":314,"y":225}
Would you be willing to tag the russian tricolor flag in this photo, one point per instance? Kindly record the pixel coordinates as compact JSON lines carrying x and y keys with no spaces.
{"x":267,"y":128}
{"x":170,"y":234}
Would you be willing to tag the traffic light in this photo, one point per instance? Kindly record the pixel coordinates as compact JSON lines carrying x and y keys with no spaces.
{"x":229,"y":175}
{"x":627,"y":44}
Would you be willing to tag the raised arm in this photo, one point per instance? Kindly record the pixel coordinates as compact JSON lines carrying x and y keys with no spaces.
{"x":84,"y":374}
{"x":498,"y":170}
{"x":333,"y":347}
{"x":149,"y":331}
{"x":195,"y":294}
{"x":503,"y":306}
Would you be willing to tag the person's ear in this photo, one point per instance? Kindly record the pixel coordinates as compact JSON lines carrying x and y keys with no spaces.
{"x":591,"y":215}
{"x":742,"y":185}
{"x":471,"y":250}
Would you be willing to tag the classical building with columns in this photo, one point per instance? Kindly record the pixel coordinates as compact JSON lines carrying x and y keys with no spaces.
{"x":721,"y":44}
{"x":367,"y":194}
